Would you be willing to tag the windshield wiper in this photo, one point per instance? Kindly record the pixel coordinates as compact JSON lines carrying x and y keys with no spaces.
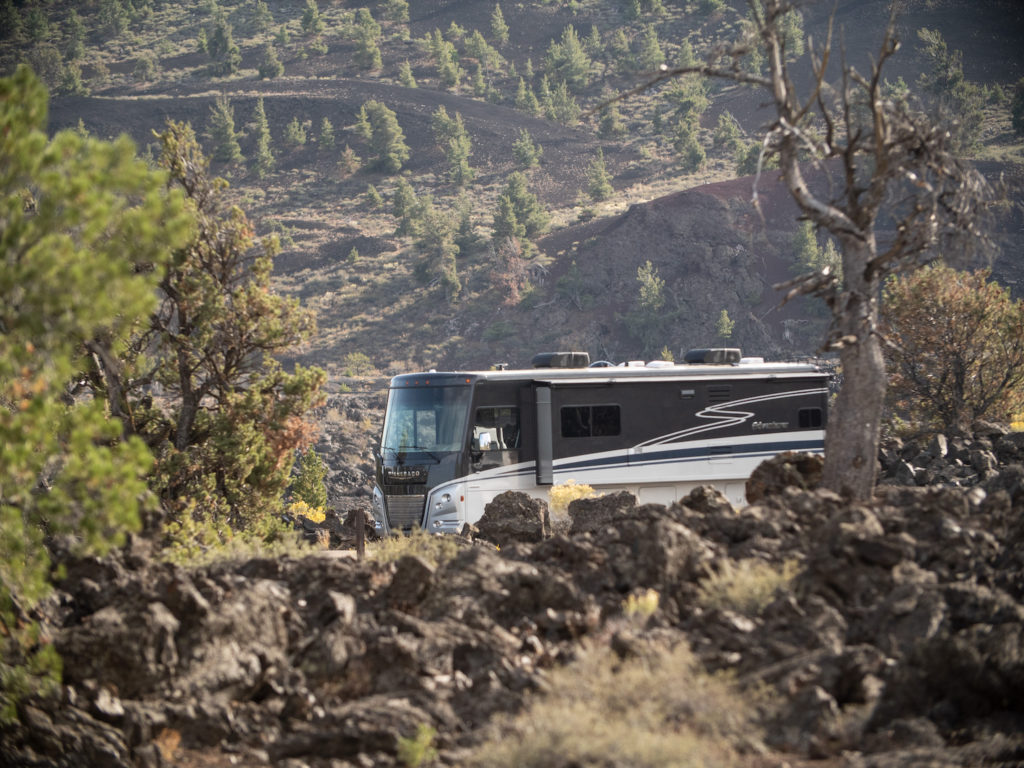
{"x":400,"y":452}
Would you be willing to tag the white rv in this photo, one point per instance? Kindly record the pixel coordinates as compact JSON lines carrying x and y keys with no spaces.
{"x":452,"y":441}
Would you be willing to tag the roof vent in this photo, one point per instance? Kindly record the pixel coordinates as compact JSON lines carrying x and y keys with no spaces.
{"x":561,"y":360}
{"x":719,"y":356}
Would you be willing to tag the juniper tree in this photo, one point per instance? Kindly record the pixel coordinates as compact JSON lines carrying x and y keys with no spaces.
{"x":888,"y":158}
{"x":69,"y":288}
{"x":308,"y":483}
{"x":231,"y":417}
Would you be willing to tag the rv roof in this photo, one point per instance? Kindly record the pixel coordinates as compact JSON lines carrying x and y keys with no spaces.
{"x":749,"y":367}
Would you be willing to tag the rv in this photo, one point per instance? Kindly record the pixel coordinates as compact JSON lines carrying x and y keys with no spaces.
{"x":452,"y":441}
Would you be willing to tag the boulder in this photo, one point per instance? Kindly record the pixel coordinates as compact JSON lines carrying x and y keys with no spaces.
{"x":514,"y":517}
{"x":786,"y":470}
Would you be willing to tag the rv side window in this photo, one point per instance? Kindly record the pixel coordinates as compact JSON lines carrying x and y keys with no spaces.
{"x":590,"y":420}
{"x":809,"y":418}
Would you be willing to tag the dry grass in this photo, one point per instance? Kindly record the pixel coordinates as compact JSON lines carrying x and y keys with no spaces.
{"x":746,"y":587}
{"x":659,"y":711}
{"x":436,"y":550}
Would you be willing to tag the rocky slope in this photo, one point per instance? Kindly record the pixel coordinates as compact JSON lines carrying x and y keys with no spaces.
{"x":898,"y":642}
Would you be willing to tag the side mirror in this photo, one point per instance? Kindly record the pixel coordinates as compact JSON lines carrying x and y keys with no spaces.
{"x":483,"y":441}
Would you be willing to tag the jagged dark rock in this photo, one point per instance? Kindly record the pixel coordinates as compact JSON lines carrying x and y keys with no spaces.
{"x":899,"y":641}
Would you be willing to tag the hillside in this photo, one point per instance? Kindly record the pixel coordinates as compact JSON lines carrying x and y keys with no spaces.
{"x":698,"y":229}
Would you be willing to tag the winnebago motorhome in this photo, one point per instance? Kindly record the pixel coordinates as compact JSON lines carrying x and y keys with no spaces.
{"x":452,"y":441}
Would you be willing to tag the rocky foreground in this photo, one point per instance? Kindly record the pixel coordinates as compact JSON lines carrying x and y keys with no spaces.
{"x":899,"y":640}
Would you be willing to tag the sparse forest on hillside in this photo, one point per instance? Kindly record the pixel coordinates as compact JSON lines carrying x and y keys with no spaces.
{"x":323,"y":118}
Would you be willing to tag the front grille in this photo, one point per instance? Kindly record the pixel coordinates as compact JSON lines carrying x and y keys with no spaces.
{"x":405,"y":511}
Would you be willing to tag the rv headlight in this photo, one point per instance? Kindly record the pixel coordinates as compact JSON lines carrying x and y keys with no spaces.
{"x":444,"y":500}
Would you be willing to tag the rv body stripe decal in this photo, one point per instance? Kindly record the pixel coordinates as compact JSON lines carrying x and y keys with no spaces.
{"x":650,"y":458}
{"x":726,"y":416}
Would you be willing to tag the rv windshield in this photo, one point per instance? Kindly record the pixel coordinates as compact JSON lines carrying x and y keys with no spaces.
{"x":426,"y":420}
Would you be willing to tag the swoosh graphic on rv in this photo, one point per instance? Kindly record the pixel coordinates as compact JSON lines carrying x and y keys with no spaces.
{"x":726,"y":417}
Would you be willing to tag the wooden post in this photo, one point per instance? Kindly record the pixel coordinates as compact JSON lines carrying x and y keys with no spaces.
{"x":359,"y":519}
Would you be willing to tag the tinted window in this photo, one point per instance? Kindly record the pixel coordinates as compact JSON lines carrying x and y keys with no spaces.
{"x":809,"y":418}
{"x":590,"y":420}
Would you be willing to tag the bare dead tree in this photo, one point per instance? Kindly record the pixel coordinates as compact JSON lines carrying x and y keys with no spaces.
{"x":880,"y":158}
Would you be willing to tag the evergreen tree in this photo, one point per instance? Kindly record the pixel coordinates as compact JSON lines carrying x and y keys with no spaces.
{"x":526,"y":153}
{"x":223,"y":49}
{"x":373,"y":197}
{"x":599,"y":185}
{"x":404,"y":206}
{"x":11,"y":25}
{"x":960,"y":102}
{"x":499,"y":29}
{"x":379,"y":127}
{"x":232,"y":420}
{"x":725,"y":325}
{"x":261,"y":17}
{"x":263,"y":158}
{"x":113,"y":17}
{"x":349,"y":161}
{"x":295,"y":134}
{"x":76,"y":37}
{"x":520,"y":214}
{"x":567,"y":60}
{"x":611,"y":124}
{"x":650,"y":56}
{"x":146,"y":68}
{"x":308,"y":484}
{"x":326,"y":139}
{"x":622,"y":53}
{"x":435,"y":240}
{"x":397,"y":10}
{"x":688,"y":149}
{"x":312,"y":24}
{"x":450,"y":135}
{"x":70,"y":287}
{"x":221,"y":131}
{"x":593,"y":45}
{"x":367,"y":32}
{"x":562,"y":105}
{"x":270,"y":65}
{"x":727,"y":137}
{"x":405,"y":76}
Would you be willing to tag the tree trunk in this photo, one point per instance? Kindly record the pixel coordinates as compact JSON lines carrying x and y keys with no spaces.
{"x":854,"y":426}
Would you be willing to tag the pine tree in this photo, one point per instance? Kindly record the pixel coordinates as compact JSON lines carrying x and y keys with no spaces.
{"x":312,"y":24}
{"x":688,"y":149}
{"x":367,"y":32}
{"x":567,"y":59}
{"x":405,"y":76}
{"x":403,"y":206}
{"x":727,"y":137}
{"x":222,"y":131}
{"x":499,"y":29}
{"x":326,"y":140}
{"x":113,"y":17}
{"x":308,"y":484}
{"x":261,"y":17}
{"x":379,"y":127}
{"x":223,"y":49}
{"x":76,"y":37}
{"x":263,"y":158}
{"x":562,"y":105}
{"x":599,"y":185}
{"x":295,"y":134}
{"x":650,"y":56}
{"x":270,"y":65}
{"x":611,"y":124}
{"x":526,"y":153}
{"x":450,"y":135}
{"x":397,"y":10}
